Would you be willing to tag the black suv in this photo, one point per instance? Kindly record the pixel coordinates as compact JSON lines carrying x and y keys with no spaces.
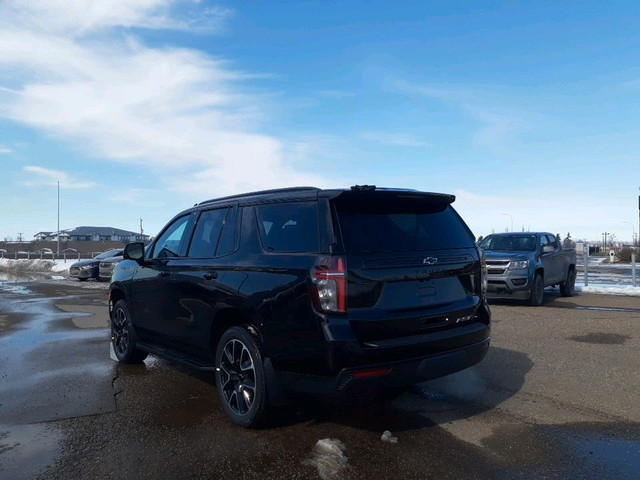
{"x":329,"y":292}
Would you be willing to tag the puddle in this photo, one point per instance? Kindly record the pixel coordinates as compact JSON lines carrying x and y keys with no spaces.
{"x":25,"y":450}
{"x":605,"y":455}
{"x":601,"y":338}
{"x":603,"y":451}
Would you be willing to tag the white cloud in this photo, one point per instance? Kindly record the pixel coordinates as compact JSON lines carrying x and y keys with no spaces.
{"x":395,"y":139}
{"x":4,"y":150}
{"x":139,"y":197}
{"x":39,"y":176}
{"x":500,"y":122}
{"x":88,"y":16}
{"x":183,"y":113}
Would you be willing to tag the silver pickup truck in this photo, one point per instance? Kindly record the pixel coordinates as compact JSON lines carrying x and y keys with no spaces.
{"x":521,"y":265}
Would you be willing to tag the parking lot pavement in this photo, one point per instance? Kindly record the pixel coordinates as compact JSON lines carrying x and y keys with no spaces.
{"x":558,"y":396}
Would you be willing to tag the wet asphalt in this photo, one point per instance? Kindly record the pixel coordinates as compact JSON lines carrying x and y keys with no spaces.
{"x":558,"y":396}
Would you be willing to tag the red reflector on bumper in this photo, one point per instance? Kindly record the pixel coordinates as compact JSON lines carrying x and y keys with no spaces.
{"x":371,"y":373}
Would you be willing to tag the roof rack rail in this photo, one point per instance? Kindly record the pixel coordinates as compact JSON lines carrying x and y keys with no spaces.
{"x":363,"y":187}
{"x":260,"y":192}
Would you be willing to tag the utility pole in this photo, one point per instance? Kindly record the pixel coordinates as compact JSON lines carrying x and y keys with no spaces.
{"x":20,"y":239}
{"x":58,"y":235}
{"x":604,"y":244}
{"x":633,"y":238}
{"x":141,"y":230}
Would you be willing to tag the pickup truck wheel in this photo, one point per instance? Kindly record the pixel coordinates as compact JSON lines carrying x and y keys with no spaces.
{"x":567,"y":288}
{"x":240,"y":378}
{"x":123,"y":336}
{"x":537,"y":291}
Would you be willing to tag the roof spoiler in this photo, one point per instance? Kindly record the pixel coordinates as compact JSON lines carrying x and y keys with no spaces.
{"x":365,"y":191}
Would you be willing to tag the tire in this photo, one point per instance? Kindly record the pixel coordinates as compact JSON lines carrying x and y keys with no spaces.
{"x":240,"y":378}
{"x":123,"y":336}
{"x":537,"y":291}
{"x":82,"y":279}
{"x":568,"y":287}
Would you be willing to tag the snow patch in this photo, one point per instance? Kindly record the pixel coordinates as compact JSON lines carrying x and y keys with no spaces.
{"x":625,"y":290}
{"x":329,"y":458}
{"x":14,"y":289}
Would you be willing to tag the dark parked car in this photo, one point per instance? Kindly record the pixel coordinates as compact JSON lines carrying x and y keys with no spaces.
{"x":328,"y":292}
{"x":84,"y":269}
{"x":106,"y":267}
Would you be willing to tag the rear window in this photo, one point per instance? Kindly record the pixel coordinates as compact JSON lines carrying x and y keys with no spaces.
{"x":398,"y":226}
{"x":289,"y":227}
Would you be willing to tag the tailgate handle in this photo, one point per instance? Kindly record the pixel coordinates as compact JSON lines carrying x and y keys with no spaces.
{"x":210,"y":275}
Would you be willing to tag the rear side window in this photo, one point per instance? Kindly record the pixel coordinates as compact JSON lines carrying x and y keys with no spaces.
{"x":289,"y":227}
{"x":397,"y":226}
{"x":207,"y":233}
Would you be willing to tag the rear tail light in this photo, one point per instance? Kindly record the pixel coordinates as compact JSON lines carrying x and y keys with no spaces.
{"x":330,"y":284}
{"x":371,"y":373}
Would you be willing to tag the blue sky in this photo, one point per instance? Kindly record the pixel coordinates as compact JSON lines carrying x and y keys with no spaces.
{"x":525,"y":110}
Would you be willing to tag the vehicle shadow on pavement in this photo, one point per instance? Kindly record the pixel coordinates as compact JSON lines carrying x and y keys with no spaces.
{"x":458,"y":396}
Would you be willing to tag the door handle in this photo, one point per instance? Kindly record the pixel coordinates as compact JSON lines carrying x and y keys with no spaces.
{"x":164,"y":273}
{"x":210,"y":275}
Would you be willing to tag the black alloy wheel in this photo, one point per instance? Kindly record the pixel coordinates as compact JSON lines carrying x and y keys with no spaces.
{"x":123,"y":335}
{"x":240,"y":378}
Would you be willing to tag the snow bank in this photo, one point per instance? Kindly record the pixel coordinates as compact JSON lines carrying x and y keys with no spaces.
{"x":34,"y":265}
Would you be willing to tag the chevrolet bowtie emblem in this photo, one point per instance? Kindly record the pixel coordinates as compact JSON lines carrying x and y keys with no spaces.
{"x":430,"y":261}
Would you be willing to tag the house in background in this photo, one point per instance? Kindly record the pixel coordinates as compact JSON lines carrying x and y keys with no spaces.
{"x":93,"y":234}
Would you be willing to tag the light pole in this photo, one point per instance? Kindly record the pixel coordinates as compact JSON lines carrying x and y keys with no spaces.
{"x":510,"y":218}
{"x":58,"y":235}
{"x":633,"y":238}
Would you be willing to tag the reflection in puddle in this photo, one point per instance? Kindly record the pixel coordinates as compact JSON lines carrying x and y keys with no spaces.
{"x":26,"y":450}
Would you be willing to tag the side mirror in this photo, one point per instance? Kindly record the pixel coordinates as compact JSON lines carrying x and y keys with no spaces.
{"x":134,"y":251}
{"x":548,"y":249}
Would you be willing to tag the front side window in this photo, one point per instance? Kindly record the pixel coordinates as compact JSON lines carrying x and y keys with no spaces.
{"x":170,"y":242}
{"x":289,"y":227}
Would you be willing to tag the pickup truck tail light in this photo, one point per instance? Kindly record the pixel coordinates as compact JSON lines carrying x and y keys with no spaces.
{"x":484,"y":282}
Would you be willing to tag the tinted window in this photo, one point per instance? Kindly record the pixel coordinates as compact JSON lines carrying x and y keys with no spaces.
{"x":207,"y":234}
{"x":509,"y":243}
{"x":169,"y":243}
{"x":379,"y":226}
{"x":227,"y":242}
{"x":289,"y":227}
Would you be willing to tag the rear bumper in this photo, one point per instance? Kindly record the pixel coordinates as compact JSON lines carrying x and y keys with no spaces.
{"x":400,"y":373}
